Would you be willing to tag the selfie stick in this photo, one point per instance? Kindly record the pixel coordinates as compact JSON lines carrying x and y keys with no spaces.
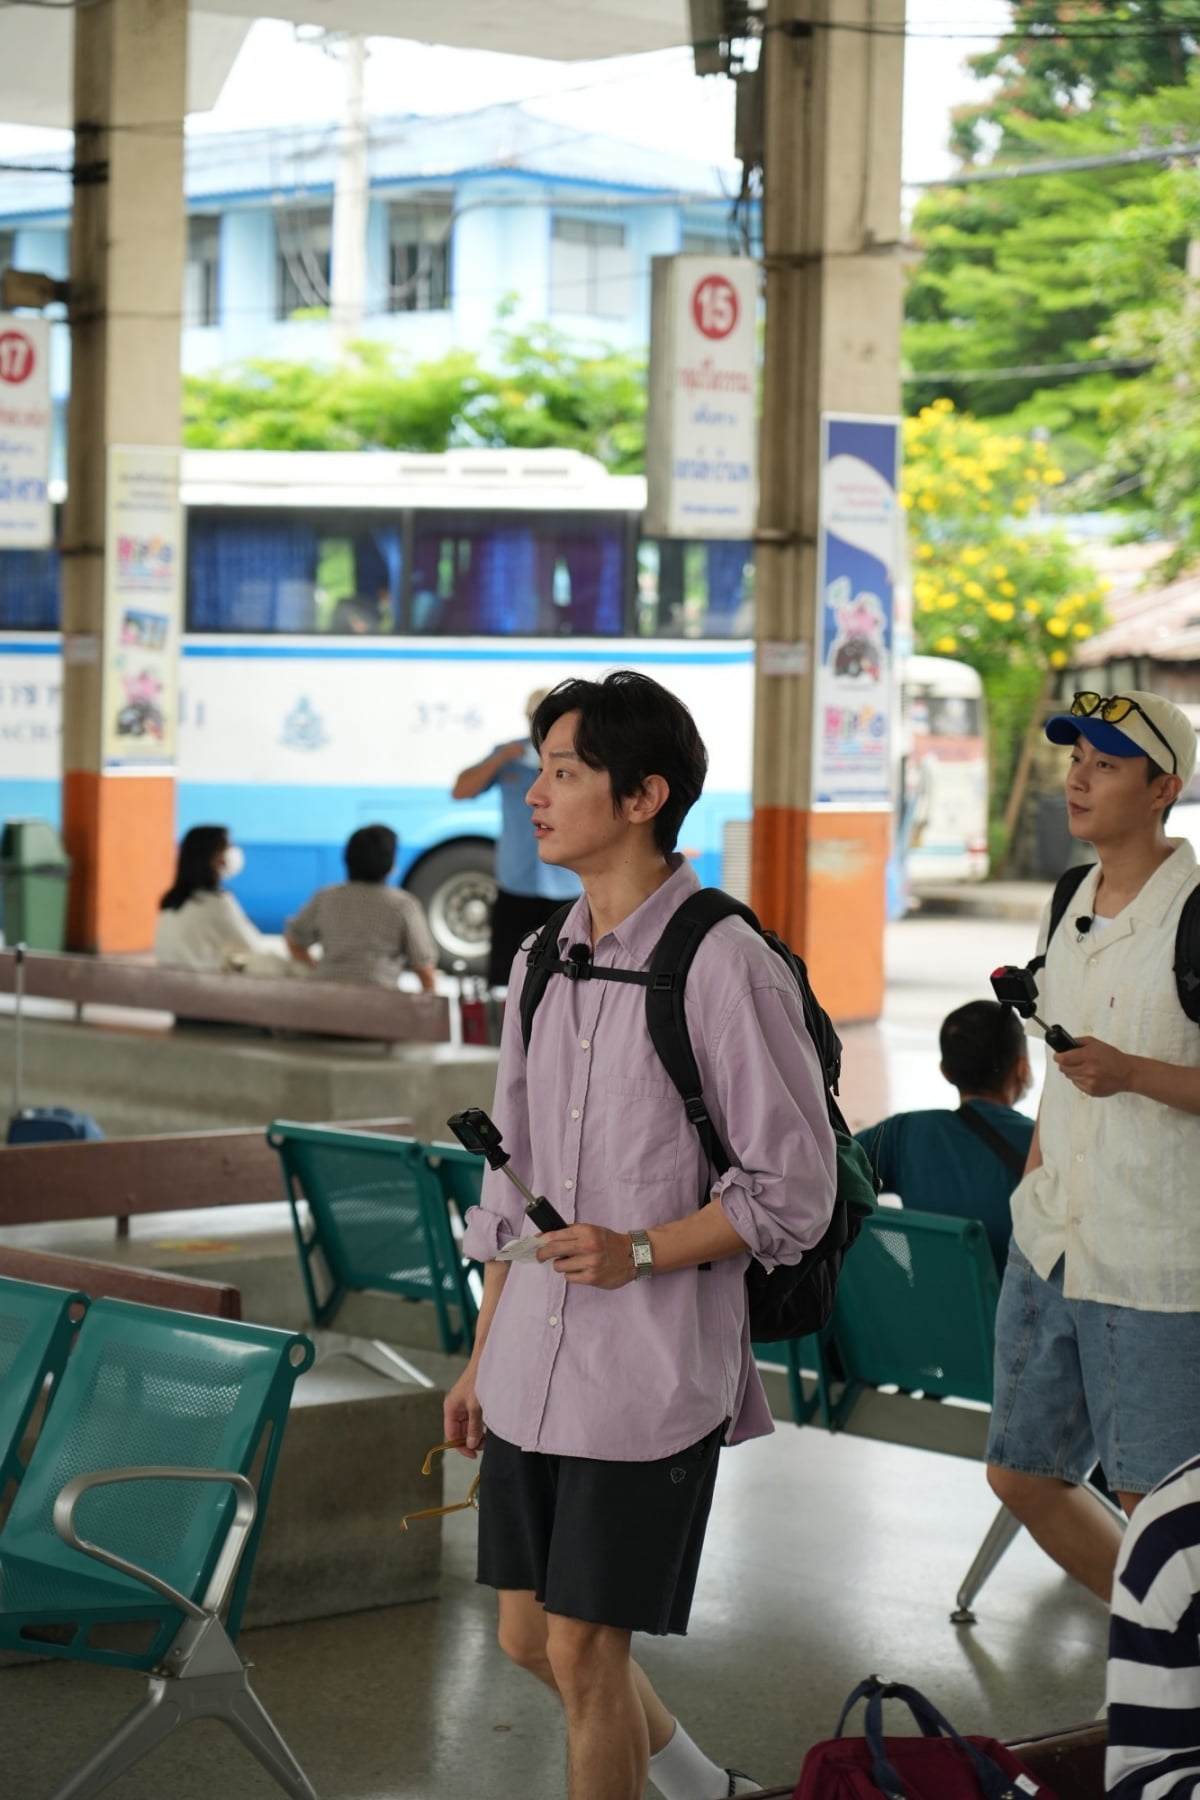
{"x":477,"y":1132}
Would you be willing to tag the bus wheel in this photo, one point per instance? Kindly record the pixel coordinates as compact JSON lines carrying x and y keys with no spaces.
{"x":457,"y":887}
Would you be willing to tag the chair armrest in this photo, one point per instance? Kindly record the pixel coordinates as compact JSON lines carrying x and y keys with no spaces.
{"x":231,"y":1550}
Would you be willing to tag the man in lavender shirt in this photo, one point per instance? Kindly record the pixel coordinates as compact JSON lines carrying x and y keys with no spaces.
{"x":611,"y":1364}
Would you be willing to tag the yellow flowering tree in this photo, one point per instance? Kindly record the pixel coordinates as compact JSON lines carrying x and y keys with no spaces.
{"x":993,"y":582}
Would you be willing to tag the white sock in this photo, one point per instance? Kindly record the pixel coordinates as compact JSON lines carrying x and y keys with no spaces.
{"x":681,"y":1771}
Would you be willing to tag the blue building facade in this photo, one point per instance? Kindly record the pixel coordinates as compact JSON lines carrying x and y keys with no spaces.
{"x":467,"y":217}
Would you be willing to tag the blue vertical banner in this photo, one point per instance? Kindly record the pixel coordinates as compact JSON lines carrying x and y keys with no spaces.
{"x":858,"y":563}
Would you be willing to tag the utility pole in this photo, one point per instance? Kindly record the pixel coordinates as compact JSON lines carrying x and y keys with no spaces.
{"x":831,"y":230}
{"x":349,"y":275}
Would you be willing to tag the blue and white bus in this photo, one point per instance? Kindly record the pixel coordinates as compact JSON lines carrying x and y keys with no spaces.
{"x":360,"y":627}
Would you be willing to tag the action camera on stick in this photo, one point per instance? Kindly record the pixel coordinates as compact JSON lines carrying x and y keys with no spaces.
{"x":478,"y":1133}
{"x":1017,"y":988}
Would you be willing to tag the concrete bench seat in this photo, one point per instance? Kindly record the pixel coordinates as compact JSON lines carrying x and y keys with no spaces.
{"x":334,"y":1009}
{"x":136,"y":1077}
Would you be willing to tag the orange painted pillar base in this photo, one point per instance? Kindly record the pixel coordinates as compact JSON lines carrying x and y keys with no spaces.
{"x":819,"y":880}
{"x":119,"y":831}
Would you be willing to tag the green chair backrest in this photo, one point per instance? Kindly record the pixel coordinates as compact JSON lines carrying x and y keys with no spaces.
{"x":378,"y":1216}
{"x":916,"y":1305}
{"x":459,"y":1172}
{"x":150,"y":1387}
{"x":37,"y":1326}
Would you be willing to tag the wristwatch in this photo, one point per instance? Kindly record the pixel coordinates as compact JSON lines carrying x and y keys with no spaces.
{"x":643,"y":1255}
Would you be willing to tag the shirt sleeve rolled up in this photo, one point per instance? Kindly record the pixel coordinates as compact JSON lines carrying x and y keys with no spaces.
{"x":762,"y":1079}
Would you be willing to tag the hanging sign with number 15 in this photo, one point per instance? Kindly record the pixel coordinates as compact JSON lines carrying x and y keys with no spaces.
{"x":703,"y":429}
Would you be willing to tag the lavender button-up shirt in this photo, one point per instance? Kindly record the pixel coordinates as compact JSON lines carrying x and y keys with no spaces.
{"x":593,"y":1121}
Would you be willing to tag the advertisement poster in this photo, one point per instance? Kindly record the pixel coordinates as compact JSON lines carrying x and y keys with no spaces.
{"x":143,"y":606}
{"x":857,"y":568}
{"x":702,"y":432}
{"x":25,"y":518}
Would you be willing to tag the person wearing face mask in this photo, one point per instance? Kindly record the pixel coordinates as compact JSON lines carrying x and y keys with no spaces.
{"x":200,"y":924}
{"x":965,"y":1163}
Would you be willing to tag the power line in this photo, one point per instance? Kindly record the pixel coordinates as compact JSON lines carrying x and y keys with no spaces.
{"x":1131,"y":365}
{"x":1062,"y":165}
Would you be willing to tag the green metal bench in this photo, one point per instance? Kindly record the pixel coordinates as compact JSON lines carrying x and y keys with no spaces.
{"x":796,"y":1357}
{"x":915,"y":1309}
{"x":37,"y":1328}
{"x":135,"y":1528}
{"x":370,"y":1216}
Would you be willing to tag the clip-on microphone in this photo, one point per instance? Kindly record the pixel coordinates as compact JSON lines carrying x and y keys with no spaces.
{"x":1084,"y":924}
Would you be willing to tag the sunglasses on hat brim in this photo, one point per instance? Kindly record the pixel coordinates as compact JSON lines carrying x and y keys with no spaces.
{"x":1115,"y":707}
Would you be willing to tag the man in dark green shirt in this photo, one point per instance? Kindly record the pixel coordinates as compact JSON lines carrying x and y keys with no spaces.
{"x":964,"y":1163}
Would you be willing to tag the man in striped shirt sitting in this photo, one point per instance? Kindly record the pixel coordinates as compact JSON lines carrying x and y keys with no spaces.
{"x":1154,"y":1647}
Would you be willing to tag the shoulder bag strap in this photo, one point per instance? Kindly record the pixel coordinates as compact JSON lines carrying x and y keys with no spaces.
{"x":995,"y":1140}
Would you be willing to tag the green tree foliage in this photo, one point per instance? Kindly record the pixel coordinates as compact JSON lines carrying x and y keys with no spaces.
{"x":540,"y":389}
{"x":1037,"y":272}
{"x":1059,"y":60}
{"x":994,"y":583}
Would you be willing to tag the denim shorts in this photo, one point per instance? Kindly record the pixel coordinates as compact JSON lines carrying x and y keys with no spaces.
{"x":1081,"y":1381}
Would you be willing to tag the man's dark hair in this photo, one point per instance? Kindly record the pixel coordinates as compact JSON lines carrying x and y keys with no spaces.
{"x":981,"y":1044}
{"x":194,"y":871}
{"x":631,"y":727}
{"x":370,"y":853}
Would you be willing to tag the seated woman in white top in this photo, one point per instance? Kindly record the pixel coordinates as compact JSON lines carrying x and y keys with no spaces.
{"x":200,"y":924}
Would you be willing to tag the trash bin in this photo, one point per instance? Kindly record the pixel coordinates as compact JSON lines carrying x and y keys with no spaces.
{"x":34,"y":875}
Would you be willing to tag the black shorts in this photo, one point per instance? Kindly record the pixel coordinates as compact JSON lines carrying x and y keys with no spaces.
{"x":616,"y":1543}
{"x":514,"y":917}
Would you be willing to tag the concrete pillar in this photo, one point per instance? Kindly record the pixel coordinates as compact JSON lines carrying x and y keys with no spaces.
{"x":127,"y":254}
{"x":831,"y":225}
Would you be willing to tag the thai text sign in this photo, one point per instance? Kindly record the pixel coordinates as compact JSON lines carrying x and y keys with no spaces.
{"x":702,"y":432}
{"x":25,"y":519}
{"x":858,"y":554}
{"x":143,"y":604}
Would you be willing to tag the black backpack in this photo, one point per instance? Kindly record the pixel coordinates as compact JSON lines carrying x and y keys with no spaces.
{"x":790,"y":1300}
{"x":1187,"y":937}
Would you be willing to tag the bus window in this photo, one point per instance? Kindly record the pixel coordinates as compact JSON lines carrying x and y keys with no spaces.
{"x":541,"y":575}
{"x":952,"y":715}
{"x":287,"y":571}
{"x":695,"y":590}
{"x":29,"y":590}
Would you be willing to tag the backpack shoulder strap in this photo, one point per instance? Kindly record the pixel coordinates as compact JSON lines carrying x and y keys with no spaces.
{"x":995,"y":1140}
{"x":666,"y":1019}
{"x":1187,"y":956}
{"x":1065,"y":890}
{"x":541,"y":964}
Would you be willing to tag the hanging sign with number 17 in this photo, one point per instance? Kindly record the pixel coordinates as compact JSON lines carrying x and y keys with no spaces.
{"x":25,"y":518}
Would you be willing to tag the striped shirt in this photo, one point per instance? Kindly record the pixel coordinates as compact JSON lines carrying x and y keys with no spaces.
{"x":367,"y":932}
{"x":1154,"y":1647}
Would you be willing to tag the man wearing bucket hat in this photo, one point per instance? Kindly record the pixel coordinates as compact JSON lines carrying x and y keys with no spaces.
{"x":1098,"y":1328}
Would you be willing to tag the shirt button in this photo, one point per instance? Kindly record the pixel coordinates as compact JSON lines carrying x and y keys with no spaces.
{"x":553,"y":1318}
{"x":1079,"y":1156}
{"x":585,"y":1043}
{"x":574,"y":1112}
{"x":568,"y":1183}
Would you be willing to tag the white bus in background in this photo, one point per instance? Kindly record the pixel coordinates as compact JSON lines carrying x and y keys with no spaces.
{"x":942,"y":827}
{"x":361,"y":627}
